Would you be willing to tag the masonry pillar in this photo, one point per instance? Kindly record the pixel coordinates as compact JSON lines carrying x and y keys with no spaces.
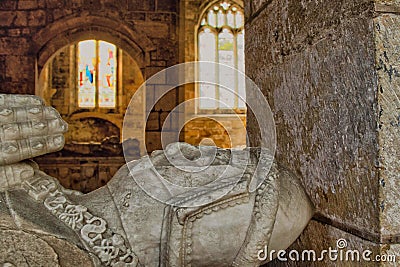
{"x":329,"y":70}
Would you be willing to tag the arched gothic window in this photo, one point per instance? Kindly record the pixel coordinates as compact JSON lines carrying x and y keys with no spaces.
{"x":97,"y":74}
{"x":221,"y":39}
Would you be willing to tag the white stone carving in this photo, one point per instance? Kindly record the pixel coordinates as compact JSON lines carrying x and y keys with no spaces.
{"x":209,"y":215}
{"x":109,"y":247}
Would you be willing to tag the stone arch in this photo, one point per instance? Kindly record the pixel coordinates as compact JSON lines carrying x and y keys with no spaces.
{"x":206,"y":5}
{"x":116,"y":121}
{"x":71,"y":30}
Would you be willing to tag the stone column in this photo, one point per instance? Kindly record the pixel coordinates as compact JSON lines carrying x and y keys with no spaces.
{"x":387,"y":41}
{"x":329,"y":71}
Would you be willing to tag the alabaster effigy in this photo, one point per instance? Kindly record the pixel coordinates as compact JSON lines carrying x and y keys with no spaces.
{"x":212,"y":217}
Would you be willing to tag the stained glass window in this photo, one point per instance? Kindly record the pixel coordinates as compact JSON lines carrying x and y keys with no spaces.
{"x":87,"y":74}
{"x":221,"y":39}
{"x":97,"y":74}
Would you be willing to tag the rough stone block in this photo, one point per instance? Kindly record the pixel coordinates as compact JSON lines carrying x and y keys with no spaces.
{"x":37,"y":18}
{"x":27,"y":4}
{"x":153,"y":122}
{"x":390,"y":254}
{"x":6,"y":18}
{"x":167,"y":102}
{"x":387,"y":6}
{"x":14,"y":32}
{"x":256,"y":5}
{"x":159,"y":30}
{"x":18,"y":67}
{"x":167,"y":5}
{"x":53,"y":4}
{"x":153,"y":141}
{"x":139,"y":5}
{"x":160,"y":79}
{"x":318,"y":237}
{"x":316,"y":65}
{"x":134,"y":16}
{"x":165,"y":124}
{"x":388,"y":68}
{"x":8,"y":5}
{"x":21,"y":19}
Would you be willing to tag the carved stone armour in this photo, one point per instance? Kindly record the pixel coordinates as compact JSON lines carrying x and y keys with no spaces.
{"x":120,"y":225}
{"x":229,"y":206}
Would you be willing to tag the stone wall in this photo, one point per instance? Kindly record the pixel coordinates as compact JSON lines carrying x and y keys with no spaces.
{"x":84,"y":174}
{"x":224,"y":131}
{"x":58,"y":87}
{"x":317,"y":66}
{"x":387,"y":41}
{"x":32,"y":31}
{"x":22,"y":36}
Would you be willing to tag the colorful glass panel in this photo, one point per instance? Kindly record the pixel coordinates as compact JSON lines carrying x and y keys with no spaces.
{"x":107,"y":74}
{"x":87,"y":74}
{"x":97,"y":74}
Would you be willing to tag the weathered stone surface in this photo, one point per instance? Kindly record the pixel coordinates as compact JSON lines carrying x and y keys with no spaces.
{"x":19,"y":248}
{"x":69,"y":255}
{"x":153,"y":141}
{"x":27,"y":4}
{"x":6,"y":18}
{"x":315,"y":63}
{"x":54,"y":24}
{"x":153,"y":121}
{"x":163,"y":209}
{"x":390,"y":254}
{"x":389,"y":6}
{"x":167,"y":102}
{"x":329,"y":70}
{"x":141,"y":5}
{"x":79,"y":173}
{"x":225,"y":131}
{"x":37,"y":18}
{"x":387,"y":57}
{"x":317,"y":237}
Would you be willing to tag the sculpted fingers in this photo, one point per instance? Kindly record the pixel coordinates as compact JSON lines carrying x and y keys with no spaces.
{"x":28,"y":128}
{"x":17,"y":131}
{"x":18,"y":150}
{"x":24,"y":114}
{"x":7,"y":100}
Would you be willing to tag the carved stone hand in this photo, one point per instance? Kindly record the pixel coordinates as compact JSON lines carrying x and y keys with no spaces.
{"x":27,"y":129}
